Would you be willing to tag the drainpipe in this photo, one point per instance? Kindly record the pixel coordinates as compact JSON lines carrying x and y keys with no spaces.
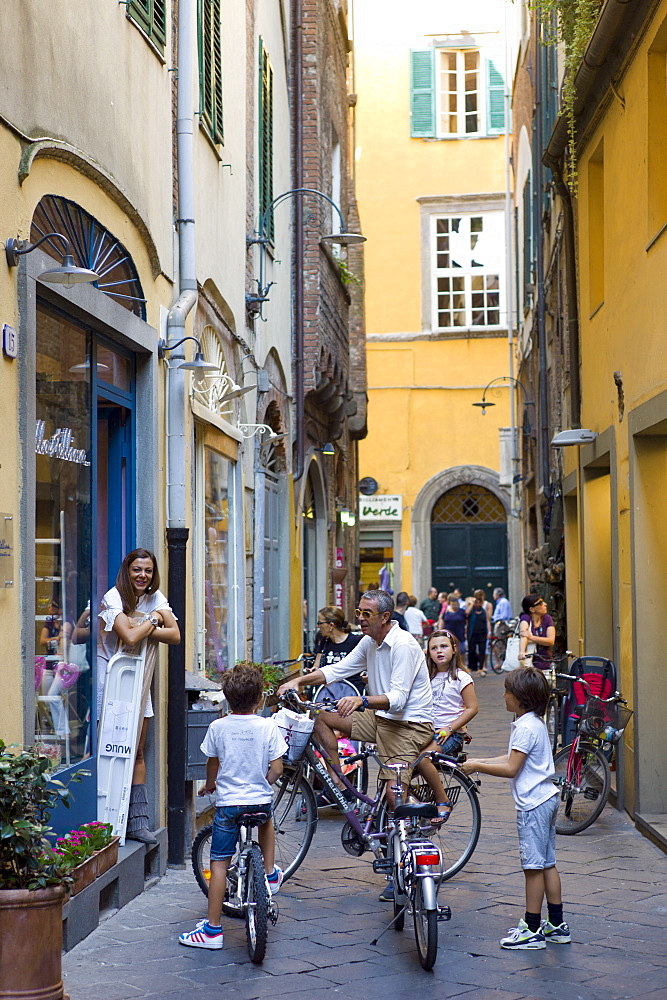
{"x":297,"y":117}
{"x":538,"y":194}
{"x":177,"y":532}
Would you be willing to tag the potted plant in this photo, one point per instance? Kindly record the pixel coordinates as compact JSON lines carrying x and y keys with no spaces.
{"x":33,"y":886}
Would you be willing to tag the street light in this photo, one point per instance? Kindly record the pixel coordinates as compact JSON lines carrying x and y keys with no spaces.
{"x":484,"y":402}
{"x":254,"y":303}
{"x":68,"y":274}
{"x":198,"y":364}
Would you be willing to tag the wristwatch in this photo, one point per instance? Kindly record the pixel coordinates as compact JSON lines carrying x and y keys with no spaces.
{"x":153,"y":619}
{"x":364,"y":701}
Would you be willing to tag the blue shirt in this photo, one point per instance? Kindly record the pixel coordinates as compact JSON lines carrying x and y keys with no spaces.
{"x":502,"y":611}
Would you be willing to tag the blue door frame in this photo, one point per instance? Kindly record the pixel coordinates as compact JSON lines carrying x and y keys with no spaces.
{"x":113,"y":424}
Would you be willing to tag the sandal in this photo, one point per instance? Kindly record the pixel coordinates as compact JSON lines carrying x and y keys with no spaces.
{"x":483,"y":672}
{"x":444,"y":812}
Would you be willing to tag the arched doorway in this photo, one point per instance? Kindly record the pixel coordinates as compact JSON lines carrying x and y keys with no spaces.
{"x":469,"y":540}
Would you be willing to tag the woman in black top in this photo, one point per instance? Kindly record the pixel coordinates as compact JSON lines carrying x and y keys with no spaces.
{"x":479,"y":631}
{"x":335,"y":640}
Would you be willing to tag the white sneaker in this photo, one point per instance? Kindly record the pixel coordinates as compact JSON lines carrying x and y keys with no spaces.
{"x":275,"y":880}
{"x":521,"y":938}
{"x":556,"y":934}
{"x":198,"y":938}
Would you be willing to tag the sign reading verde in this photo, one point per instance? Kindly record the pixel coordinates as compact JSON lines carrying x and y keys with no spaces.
{"x":381,"y":508}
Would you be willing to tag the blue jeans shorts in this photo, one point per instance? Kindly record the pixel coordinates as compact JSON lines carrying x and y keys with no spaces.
{"x":537,"y":835}
{"x":226,"y":830}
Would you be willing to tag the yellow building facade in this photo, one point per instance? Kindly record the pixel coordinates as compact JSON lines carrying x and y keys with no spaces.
{"x":614,"y":488}
{"x":437,"y":502}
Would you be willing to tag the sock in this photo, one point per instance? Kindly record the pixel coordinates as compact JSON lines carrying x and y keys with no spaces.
{"x":211,"y":929}
{"x":533,"y":921}
{"x":555,"y":913}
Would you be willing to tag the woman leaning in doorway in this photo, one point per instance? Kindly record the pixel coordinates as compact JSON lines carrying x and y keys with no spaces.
{"x":536,"y":626}
{"x":133,"y":610}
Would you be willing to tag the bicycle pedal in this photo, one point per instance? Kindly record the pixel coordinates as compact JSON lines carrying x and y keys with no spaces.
{"x":382,"y":866}
{"x":273,"y":913}
{"x":444,"y":913}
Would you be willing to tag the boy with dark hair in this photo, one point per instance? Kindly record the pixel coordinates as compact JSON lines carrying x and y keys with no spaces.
{"x":244,"y":759}
{"x":529,"y":766}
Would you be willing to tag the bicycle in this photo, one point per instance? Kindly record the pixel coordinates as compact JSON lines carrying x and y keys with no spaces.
{"x":295,"y":812}
{"x":410,"y":859}
{"x":248,"y":894}
{"x":552,"y":716}
{"x":582,"y":769}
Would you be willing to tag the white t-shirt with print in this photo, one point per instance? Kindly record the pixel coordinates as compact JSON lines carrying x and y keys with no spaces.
{"x":447,"y":699}
{"x":533,"y":785}
{"x":244,"y":745}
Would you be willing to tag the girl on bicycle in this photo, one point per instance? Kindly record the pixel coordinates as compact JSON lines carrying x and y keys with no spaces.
{"x":454,"y":698}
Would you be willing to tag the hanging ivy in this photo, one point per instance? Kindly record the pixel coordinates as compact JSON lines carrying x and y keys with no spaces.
{"x":570,"y":24}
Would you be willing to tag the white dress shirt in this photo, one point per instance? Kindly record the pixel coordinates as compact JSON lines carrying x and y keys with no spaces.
{"x":396,"y":668}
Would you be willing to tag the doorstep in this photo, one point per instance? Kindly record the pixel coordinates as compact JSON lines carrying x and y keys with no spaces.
{"x":654,"y":827}
{"x":137,"y":867}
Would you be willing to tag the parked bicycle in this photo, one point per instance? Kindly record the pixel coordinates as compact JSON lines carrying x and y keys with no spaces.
{"x":366,"y":823}
{"x":582,"y":769}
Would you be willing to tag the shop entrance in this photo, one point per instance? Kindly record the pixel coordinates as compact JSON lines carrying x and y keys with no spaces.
{"x":469,"y":541}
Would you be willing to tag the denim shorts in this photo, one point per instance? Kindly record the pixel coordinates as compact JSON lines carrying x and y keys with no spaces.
{"x":537,"y":835}
{"x":226,"y":829}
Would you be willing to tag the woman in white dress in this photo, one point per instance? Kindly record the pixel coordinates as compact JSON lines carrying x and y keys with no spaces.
{"x":134,"y":610}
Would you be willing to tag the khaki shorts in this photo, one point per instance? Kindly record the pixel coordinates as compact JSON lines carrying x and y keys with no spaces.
{"x":396,"y":741}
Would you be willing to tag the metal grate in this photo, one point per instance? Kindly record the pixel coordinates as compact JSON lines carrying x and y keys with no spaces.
{"x":468,"y":504}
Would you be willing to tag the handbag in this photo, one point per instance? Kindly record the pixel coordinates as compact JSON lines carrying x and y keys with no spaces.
{"x":296,"y":730}
{"x":512,"y":650}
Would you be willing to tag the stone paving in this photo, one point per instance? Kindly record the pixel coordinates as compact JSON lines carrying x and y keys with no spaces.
{"x":615,"y":896}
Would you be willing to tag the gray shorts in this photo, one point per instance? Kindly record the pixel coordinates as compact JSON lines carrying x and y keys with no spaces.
{"x":537,"y":835}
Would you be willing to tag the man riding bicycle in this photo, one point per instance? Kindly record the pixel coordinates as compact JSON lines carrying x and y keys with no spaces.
{"x":400,"y":720}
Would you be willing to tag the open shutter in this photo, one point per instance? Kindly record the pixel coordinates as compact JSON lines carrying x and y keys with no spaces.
{"x":495,"y":96}
{"x":422,"y":93}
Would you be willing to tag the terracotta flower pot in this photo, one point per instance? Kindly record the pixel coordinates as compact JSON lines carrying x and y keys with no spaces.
{"x":107,"y":857}
{"x":31,"y":931}
{"x":83,"y":875}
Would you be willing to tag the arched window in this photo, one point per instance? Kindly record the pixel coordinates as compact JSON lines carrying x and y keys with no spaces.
{"x":468,"y":504}
{"x":92,"y":246}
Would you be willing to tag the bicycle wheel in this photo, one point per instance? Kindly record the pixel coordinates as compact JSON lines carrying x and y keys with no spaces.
{"x":257,"y":902}
{"x":498,"y":650}
{"x":551,"y":720}
{"x":294,"y":820}
{"x":457,"y":838}
{"x":426,"y":929}
{"x":201,"y":866}
{"x":584,"y":787}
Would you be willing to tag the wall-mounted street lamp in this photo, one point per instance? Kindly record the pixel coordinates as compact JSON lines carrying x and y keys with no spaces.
{"x":484,"y":402}
{"x":578,"y":435}
{"x":249,"y":430}
{"x":255,"y":302}
{"x":198,"y":364}
{"x":328,"y":449}
{"x":68,"y":274}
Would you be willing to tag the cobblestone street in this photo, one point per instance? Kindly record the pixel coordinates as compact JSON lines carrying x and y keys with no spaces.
{"x":615,"y":897}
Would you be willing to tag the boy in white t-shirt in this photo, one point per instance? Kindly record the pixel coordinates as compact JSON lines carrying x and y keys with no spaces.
{"x":529,"y":766}
{"x":244,"y":754}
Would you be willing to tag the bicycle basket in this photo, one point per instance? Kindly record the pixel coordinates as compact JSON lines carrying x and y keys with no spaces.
{"x":295,"y":730}
{"x":593,"y":718}
{"x":619,"y":717}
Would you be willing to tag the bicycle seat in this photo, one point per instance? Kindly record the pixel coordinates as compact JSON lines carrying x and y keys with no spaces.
{"x":252,"y":819}
{"x":427,"y":810}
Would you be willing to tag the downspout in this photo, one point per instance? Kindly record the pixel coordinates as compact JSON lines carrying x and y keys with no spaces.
{"x":538,"y":194}
{"x":297,"y":112}
{"x":177,"y":532}
{"x":572,"y":299}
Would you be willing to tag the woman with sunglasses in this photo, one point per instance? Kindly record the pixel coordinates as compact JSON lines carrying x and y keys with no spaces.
{"x":535,"y":625}
{"x":335,"y":640}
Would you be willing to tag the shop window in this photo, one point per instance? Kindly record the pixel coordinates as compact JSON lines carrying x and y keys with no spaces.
{"x":217,"y":527}
{"x":63,"y":542}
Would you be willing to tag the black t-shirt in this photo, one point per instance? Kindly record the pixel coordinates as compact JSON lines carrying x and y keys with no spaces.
{"x":332,"y":652}
{"x":398,"y":617}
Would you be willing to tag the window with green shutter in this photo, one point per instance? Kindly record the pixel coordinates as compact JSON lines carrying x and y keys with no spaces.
{"x":210,"y":67}
{"x":151,"y":16}
{"x":265,"y":116}
{"x":422,"y":93}
{"x":495,"y":97}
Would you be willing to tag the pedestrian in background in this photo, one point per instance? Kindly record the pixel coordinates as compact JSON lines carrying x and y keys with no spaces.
{"x":416,"y":620}
{"x":398,"y":615}
{"x":535,"y":625}
{"x":479,"y":632}
{"x":530,"y":767}
{"x":503,"y":609}
{"x":453,"y":619}
{"x":431,"y":605}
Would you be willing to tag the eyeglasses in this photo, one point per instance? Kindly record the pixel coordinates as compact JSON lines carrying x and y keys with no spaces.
{"x":538,"y":604}
{"x":358,"y":613}
{"x":325,"y":623}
